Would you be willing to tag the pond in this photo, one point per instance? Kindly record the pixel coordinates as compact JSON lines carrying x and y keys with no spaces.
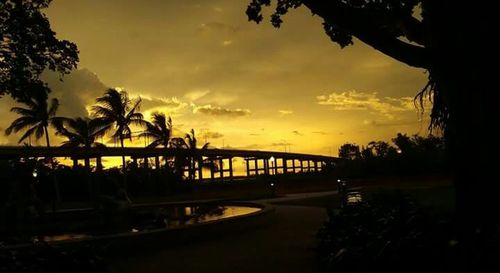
{"x":153,"y":218}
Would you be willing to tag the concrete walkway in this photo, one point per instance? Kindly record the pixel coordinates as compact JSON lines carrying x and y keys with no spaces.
{"x":284,"y":243}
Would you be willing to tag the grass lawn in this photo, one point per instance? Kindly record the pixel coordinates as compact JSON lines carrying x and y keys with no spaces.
{"x":433,"y":192}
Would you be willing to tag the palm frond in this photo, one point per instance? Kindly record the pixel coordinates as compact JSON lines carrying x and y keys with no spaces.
{"x":28,"y":133}
{"x":103,"y":111}
{"x":21,"y":124}
{"x":178,"y":142}
{"x":23,"y":111}
{"x":155,"y":143}
{"x":98,"y":145}
{"x":205,"y":146}
{"x":39,"y":131}
{"x":134,"y":108}
{"x":54,"y":105}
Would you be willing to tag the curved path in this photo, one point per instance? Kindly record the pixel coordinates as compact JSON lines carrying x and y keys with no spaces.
{"x":283,"y":243}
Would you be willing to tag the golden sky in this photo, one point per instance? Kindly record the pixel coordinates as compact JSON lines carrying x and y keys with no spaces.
{"x":236,"y":83}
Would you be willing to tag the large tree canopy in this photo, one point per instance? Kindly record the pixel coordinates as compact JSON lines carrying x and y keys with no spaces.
{"x":379,"y":23}
{"x":429,"y":34}
{"x":455,"y":42}
{"x":28,"y":46}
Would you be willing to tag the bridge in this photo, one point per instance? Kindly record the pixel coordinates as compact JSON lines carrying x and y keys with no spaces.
{"x":256,"y":162}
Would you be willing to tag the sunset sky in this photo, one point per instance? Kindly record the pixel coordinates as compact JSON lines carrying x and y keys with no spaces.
{"x":235,"y":82}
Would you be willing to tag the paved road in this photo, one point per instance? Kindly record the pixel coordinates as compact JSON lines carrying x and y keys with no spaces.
{"x":297,"y":196}
{"x":284,"y":243}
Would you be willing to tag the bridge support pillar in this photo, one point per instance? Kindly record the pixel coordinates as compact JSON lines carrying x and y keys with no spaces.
{"x":200,"y":168}
{"x":284,"y":160}
{"x":221,"y":168}
{"x":98,"y":163}
{"x":247,"y":162}
{"x":212,"y":169}
{"x":157,"y":162}
{"x":231,"y":168}
{"x":301,"y":166}
{"x":293,"y":165}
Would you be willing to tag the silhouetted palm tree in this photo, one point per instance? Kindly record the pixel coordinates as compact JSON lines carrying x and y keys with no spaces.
{"x":160,"y":130}
{"x":117,"y":108}
{"x":81,"y":132}
{"x":188,"y":142}
{"x":36,"y":116}
{"x":192,"y":141}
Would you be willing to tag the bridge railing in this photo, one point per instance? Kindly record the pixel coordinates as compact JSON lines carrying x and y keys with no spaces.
{"x":256,"y":162}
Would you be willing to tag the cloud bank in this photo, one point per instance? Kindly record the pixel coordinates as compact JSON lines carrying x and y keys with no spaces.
{"x":364,"y":101}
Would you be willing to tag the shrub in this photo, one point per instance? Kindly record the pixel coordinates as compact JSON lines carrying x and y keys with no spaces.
{"x":391,"y":233}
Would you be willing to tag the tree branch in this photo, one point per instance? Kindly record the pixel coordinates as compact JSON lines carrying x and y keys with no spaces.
{"x":364,"y":26}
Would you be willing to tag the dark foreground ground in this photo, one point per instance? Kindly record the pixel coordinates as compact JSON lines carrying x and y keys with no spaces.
{"x":283,"y":241}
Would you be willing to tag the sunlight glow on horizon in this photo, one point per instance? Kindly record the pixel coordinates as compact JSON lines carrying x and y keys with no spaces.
{"x":238,"y":84}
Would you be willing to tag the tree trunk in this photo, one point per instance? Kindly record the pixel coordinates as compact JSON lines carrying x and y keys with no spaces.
{"x":123,"y":156}
{"x":463,"y":76}
{"x":125,"y":182}
{"x":87,"y":163}
{"x":54,"y":177}
{"x":46,"y":131}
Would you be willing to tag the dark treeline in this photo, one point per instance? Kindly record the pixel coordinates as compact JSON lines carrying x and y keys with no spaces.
{"x":404,"y":156}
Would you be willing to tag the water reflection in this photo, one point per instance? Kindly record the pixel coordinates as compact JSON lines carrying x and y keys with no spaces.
{"x":61,"y":237}
{"x":221,"y":213}
{"x":159,"y":218}
{"x":196,"y":214}
{"x":354,"y":197}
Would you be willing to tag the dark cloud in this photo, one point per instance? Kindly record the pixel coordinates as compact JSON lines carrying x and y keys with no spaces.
{"x":220,"y":111}
{"x":76,"y":91}
{"x":211,"y":134}
{"x":297,"y":133}
{"x":280,"y":144}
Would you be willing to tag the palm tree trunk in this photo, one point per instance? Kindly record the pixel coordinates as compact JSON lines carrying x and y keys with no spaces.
{"x":54,"y":177}
{"x":123,"y":156}
{"x":125,"y":183}
{"x":46,"y":135}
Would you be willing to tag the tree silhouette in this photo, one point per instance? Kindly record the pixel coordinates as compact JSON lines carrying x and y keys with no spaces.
{"x":404,"y":143}
{"x":381,"y":148}
{"x":117,"y":108}
{"x":349,"y":151}
{"x":188,"y":142}
{"x":160,"y":130}
{"x":81,"y":132}
{"x":367,"y":153}
{"x":36,"y":118}
{"x":453,"y":41}
{"x":28,"y":46}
